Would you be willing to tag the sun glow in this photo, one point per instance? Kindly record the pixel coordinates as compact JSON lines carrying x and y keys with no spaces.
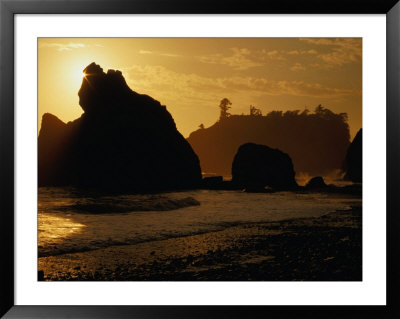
{"x":157,"y":66}
{"x":76,"y":75}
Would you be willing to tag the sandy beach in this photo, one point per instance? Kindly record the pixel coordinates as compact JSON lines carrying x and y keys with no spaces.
{"x":314,"y":249}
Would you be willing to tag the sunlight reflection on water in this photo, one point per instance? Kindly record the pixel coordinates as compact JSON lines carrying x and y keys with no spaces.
{"x":71,"y":223}
{"x":56,"y":228}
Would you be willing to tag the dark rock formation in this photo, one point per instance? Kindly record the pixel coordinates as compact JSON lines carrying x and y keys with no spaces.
{"x":316,"y":142}
{"x":316,"y":183}
{"x":256,"y":166}
{"x":353,"y":161}
{"x":40,"y":275}
{"x":122,"y":141}
{"x":212,"y":182}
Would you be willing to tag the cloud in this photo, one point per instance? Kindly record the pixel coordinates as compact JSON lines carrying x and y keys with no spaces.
{"x":271,"y":55}
{"x":299,"y":52}
{"x":243,"y":59}
{"x":172,"y":55}
{"x":63,"y":46}
{"x":312,"y":52}
{"x":298,"y":67}
{"x":340,"y":51}
{"x":166,"y":84}
{"x":294,"y":88}
{"x":319,"y":41}
{"x":240,"y":59}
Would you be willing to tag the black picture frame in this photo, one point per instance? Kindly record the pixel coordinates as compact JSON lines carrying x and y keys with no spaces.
{"x":8,"y":10}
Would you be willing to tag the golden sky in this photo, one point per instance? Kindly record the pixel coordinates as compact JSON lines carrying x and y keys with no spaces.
{"x":191,"y":75}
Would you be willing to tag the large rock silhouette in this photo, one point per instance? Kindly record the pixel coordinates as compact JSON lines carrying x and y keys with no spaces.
{"x":353,"y":161}
{"x":123,"y":141}
{"x":259,"y":166}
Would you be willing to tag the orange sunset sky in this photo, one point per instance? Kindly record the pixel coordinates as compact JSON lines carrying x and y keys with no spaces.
{"x":190,"y":76}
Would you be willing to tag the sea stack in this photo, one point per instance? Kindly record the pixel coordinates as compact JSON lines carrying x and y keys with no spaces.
{"x":353,"y":161}
{"x":124,"y":141}
{"x":259,"y":166}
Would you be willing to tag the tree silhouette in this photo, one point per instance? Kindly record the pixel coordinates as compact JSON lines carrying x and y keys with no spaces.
{"x":201,"y":126}
{"x":255,"y":111}
{"x":224,"y":106}
{"x":316,"y":139}
{"x":305,"y":112}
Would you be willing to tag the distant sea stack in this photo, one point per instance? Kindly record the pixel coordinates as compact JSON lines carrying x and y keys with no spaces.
{"x":316,"y":182}
{"x":317,"y":141}
{"x":259,"y":166}
{"x":353,"y":161}
{"x":124,"y":141}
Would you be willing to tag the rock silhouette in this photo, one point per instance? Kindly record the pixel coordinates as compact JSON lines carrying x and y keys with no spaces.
{"x":353,"y":161}
{"x":213,"y":182}
{"x":316,"y":182}
{"x":316,"y":141}
{"x":122,"y":141}
{"x":256,"y":166}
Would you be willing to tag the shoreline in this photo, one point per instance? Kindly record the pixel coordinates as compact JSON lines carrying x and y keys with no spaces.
{"x":225,"y":185}
{"x":322,"y":248}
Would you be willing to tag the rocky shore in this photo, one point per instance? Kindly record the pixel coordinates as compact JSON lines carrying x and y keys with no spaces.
{"x":312,"y":249}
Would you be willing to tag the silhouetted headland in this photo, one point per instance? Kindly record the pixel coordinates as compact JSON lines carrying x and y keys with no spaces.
{"x":353,"y":161}
{"x":123,"y":141}
{"x":317,"y":142}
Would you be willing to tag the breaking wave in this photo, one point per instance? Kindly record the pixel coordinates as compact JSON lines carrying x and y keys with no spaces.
{"x":128,"y":204}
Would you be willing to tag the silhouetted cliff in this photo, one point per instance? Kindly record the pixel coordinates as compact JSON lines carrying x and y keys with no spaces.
{"x":317,"y":142}
{"x":122,"y":141}
{"x":259,"y":166}
{"x":353,"y":161}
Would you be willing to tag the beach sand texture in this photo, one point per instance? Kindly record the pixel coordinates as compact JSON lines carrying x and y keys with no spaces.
{"x":323,"y":248}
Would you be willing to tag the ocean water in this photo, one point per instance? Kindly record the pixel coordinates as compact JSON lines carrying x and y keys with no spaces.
{"x":71,"y":221}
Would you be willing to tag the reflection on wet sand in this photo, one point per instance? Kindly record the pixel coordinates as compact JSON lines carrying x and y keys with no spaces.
{"x":53,"y":228}
{"x":318,"y":248}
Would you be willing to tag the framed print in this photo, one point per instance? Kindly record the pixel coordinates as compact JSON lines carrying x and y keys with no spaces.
{"x":160,"y":159}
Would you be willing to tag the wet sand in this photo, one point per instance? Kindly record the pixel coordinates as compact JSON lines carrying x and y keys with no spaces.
{"x":314,"y":249}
